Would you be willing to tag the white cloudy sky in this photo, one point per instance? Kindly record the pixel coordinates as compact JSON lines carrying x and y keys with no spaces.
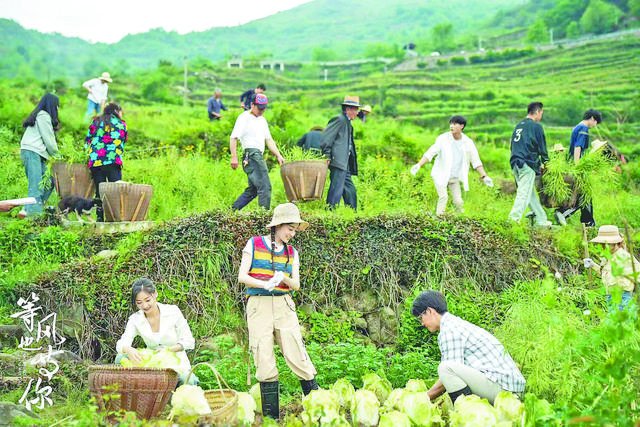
{"x":110,"y":20}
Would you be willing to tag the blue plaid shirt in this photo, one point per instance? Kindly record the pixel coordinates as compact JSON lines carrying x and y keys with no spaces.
{"x":466,"y":343}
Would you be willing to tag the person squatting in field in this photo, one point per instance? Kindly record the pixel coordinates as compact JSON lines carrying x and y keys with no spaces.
{"x":472,"y":360}
{"x":528,"y":151}
{"x":270,"y":268}
{"x":577,"y":149}
{"x":610,"y":238}
{"x":252,"y":130}
{"x":339,"y":147}
{"x":455,"y":151}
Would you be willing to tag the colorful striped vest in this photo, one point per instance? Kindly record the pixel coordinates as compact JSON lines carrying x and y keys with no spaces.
{"x":261,"y":267}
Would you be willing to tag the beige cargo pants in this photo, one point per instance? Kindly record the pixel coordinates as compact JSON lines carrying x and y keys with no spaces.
{"x":272,"y":317}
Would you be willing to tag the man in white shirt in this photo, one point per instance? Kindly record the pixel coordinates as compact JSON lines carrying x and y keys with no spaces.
{"x":252,"y":130}
{"x":455,"y":152}
{"x":97,"y":96}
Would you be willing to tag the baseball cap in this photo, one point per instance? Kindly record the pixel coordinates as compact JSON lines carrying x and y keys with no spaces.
{"x":261,"y":101}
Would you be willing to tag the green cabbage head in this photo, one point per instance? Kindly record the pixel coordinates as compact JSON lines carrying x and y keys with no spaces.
{"x":364,"y":411}
{"x":420,"y":410}
{"x":394,"y":419}
{"x":379,"y":386}
{"x":471,"y":411}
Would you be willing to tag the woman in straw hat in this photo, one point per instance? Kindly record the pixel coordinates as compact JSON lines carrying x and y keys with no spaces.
{"x":270,"y":268}
{"x":609,"y":236}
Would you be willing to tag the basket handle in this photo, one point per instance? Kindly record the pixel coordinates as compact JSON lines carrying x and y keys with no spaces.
{"x":215,"y":371}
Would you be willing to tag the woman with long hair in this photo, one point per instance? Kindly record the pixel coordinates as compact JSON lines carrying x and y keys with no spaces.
{"x":37,"y":145}
{"x":105,"y":142}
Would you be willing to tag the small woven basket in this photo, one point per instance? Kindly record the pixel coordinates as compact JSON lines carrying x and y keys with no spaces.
{"x":72,"y":179}
{"x":223,"y":402}
{"x":144,"y":391}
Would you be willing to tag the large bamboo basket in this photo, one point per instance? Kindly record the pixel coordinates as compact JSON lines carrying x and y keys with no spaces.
{"x":144,"y":391}
{"x":304,"y":180}
{"x":123,"y":201}
{"x":72,"y":179}
{"x":222,"y":401}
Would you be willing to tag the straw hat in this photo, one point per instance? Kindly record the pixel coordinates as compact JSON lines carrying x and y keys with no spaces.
{"x":106,"y":77}
{"x":597,"y":144}
{"x":367,"y":108}
{"x":351,"y":101}
{"x":287,"y":213}
{"x":558,"y":147}
{"x":608,"y":234}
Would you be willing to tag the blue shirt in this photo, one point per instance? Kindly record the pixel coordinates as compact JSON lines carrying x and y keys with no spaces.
{"x":579,"y":138}
{"x":214,"y":105}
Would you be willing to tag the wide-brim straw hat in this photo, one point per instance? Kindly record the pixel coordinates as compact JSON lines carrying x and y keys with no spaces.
{"x":608,"y":234}
{"x":367,"y":108}
{"x":558,"y":147}
{"x":106,"y":77}
{"x":287,"y":213}
{"x":351,"y":101}
{"x":597,"y":144}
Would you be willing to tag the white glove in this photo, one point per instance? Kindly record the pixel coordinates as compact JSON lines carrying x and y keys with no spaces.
{"x":275,"y":280}
{"x":488,"y":181}
{"x":414,"y":169}
{"x":588,"y":263}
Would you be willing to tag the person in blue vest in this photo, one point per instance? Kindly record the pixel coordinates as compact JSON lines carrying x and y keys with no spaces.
{"x":338,"y":146}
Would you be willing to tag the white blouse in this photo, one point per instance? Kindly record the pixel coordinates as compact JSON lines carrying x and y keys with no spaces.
{"x":173,"y":329}
{"x":446,"y":148}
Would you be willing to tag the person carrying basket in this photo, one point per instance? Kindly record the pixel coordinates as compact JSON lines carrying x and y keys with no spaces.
{"x":270,"y":268}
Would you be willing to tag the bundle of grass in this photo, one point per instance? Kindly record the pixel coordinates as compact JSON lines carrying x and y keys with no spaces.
{"x":565,"y":183}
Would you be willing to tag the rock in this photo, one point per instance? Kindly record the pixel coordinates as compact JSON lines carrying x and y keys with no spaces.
{"x":360,"y":323}
{"x":364,"y":302}
{"x":9,"y":357}
{"x":60,"y":356}
{"x":307,"y":308}
{"x":9,"y":411}
{"x":383,"y":326}
{"x":107,"y":254}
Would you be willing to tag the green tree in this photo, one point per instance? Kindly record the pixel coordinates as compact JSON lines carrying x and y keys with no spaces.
{"x":538,"y":32}
{"x":565,"y":12}
{"x":322,"y":54}
{"x":634,"y":7}
{"x":600,"y":17}
{"x":442,"y":36}
{"x":573,"y":30}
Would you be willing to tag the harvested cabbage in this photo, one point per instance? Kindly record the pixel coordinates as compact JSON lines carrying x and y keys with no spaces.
{"x":472,"y":411}
{"x":321,"y":407}
{"x":416,"y":385}
{"x":246,"y":409}
{"x":394,"y":399}
{"x":163,"y":359}
{"x":189,"y":400}
{"x":379,"y":386}
{"x":257,"y":397}
{"x":394,"y":419}
{"x":509,"y":407}
{"x":420,"y":410}
{"x":364,"y":410}
{"x":345,"y":392}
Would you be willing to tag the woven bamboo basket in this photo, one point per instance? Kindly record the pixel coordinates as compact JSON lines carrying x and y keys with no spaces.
{"x":144,"y":391}
{"x":123,"y":201}
{"x":72,"y":179}
{"x":304,"y":180}
{"x":223,"y":402}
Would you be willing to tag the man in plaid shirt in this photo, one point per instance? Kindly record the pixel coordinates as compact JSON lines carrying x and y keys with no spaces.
{"x":472,"y":360}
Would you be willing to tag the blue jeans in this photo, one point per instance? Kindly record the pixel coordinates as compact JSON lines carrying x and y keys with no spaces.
{"x":35,"y":167}
{"x":93,"y":109}
{"x":624,"y":303}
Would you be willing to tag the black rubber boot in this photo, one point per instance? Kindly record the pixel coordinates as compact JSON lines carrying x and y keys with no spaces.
{"x":270,"y":394}
{"x":308,"y":386}
{"x":455,"y":394}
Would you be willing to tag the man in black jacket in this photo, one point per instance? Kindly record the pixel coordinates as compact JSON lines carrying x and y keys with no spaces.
{"x":338,"y":146}
{"x":247,"y":97}
{"x":528,"y":151}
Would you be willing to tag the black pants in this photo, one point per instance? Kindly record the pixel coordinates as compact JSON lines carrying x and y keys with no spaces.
{"x":258,"y":180}
{"x":341,"y":187}
{"x":108,"y":173}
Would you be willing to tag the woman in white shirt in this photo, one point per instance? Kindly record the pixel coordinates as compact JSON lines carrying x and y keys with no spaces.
{"x":455,"y":151}
{"x":161,"y":326}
